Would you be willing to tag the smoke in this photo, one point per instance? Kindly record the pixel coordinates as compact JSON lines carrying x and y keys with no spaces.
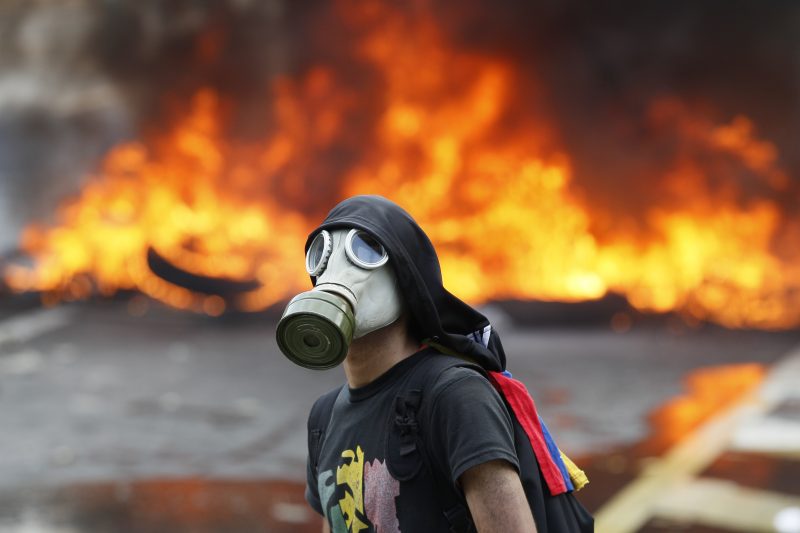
{"x":719,"y":59}
{"x":59,"y":112}
{"x":79,"y":76}
{"x":605,"y":69}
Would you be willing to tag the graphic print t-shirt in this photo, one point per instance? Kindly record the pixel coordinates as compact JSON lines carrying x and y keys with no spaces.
{"x":352,"y":487}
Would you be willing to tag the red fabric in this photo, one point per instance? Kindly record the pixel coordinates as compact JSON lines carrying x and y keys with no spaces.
{"x":524,"y":409}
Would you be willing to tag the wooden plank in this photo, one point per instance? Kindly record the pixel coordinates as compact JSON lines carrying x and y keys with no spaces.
{"x":632,"y":507}
{"x":635,"y":504}
{"x":723,"y":504}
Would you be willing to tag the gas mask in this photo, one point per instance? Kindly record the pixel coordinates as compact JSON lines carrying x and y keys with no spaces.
{"x":356,"y":292}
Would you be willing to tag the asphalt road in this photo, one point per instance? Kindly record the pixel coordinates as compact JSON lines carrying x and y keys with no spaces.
{"x":98,"y":402}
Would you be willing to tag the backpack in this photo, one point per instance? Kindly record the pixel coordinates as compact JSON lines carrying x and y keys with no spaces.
{"x":546,"y":483}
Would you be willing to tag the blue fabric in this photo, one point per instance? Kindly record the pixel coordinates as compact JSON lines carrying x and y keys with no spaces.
{"x":555,"y":454}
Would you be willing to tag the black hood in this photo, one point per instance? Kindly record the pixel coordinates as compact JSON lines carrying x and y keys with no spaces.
{"x":440,"y":318}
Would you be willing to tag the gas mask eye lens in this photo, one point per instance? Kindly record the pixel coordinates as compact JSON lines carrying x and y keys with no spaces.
{"x":363,"y":250}
{"x":318,"y":253}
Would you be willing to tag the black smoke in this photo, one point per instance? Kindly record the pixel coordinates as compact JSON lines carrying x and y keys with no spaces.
{"x":597,"y":69}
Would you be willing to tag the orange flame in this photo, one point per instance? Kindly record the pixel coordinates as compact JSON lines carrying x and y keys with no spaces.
{"x":708,"y":392}
{"x":173,"y":199}
{"x":496,"y":199}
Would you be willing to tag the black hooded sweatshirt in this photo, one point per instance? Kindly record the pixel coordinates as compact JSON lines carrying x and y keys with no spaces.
{"x":436,"y":316}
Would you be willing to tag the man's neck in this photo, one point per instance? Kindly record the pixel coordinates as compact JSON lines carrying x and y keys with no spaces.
{"x":373,"y":354}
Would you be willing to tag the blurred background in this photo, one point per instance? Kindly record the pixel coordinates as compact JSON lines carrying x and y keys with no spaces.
{"x":614,"y":184}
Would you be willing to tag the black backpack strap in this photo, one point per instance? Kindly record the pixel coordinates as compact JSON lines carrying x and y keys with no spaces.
{"x":406,"y":449}
{"x":318,"y":421}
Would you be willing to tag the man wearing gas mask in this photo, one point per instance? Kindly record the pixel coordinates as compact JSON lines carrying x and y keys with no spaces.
{"x":415,"y":441}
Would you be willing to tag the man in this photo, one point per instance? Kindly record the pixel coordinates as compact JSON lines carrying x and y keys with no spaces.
{"x":379,"y":307}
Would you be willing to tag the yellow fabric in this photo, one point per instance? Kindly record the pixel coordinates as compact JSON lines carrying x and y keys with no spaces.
{"x":576,"y":475}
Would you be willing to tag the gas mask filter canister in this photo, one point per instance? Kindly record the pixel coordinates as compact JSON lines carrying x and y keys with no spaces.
{"x":356,"y":292}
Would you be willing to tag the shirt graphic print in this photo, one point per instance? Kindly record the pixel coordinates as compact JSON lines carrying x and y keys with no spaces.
{"x":359,"y":495}
{"x":350,"y":482}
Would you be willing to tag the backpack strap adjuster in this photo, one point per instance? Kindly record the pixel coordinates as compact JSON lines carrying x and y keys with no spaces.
{"x":404,"y":458}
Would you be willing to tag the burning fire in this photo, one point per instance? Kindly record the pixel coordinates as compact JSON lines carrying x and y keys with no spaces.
{"x":498,"y":201}
{"x":181,"y":198}
{"x":708,"y":391}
